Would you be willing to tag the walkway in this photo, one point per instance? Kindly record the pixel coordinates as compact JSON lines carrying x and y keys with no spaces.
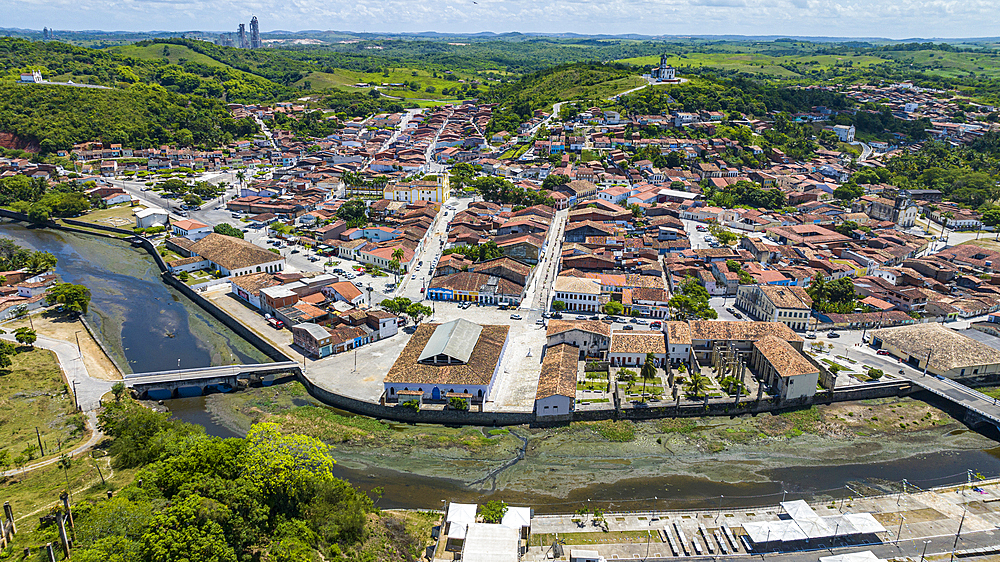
{"x":985,"y":406}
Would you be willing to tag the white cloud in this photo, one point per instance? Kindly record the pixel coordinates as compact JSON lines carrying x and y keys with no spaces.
{"x":846,"y":18}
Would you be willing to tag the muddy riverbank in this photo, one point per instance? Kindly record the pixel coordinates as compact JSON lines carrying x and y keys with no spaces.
{"x":814,"y":453}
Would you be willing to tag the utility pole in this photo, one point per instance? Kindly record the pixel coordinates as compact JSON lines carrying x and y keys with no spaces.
{"x":959,"y":532}
{"x":928,"y":362}
{"x":41,"y":449}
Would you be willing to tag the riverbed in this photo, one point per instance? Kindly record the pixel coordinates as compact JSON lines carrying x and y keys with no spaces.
{"x":667,"y":465}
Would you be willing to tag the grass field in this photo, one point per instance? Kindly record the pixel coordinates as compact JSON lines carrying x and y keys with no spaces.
{"x":345,"y":80}
{"x":176,"y":53}
{"x":34,"y":396}
{"x":760,"y":63}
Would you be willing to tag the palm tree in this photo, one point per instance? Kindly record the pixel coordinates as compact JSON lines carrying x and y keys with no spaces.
{"x":697,"y":384}
{"x":241,"y":177}
{"x":647,"y":373}
{"x":397,"y":258}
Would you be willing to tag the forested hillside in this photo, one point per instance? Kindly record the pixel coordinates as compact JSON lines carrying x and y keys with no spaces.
{"x":138,"y":116}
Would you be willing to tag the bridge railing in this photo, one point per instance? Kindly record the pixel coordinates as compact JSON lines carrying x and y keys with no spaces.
{"x":964,"y":388}
{"x":220,"y":370}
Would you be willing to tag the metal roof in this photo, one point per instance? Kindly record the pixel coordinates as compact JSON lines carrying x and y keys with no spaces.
{"x":455,"y":339}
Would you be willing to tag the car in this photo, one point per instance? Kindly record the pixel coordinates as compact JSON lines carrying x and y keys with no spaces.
{"x":515,"y":316}
{"x":295,"y":251}
{"x":881,"y":352}
{"x":357,"y":284}
{"x":656,"y":325}
{"x":608,"y":320}
{"x":642,"y":321}
{"x":730,"y":310}
{"x":629,"y":327}
{"x":701,"y":228}
{"x":413,"y":277}
{"x":833,"y":335}
{"x":902,"y":372}
{"x":580,"y":317}
{"x":313,"y":258}
{"x":540,"y":321}
{"x":810,"y":335}
{"x":737,"y":316}
{"x":557,"y":315}
{"x":275,"y":323}
{"x":634,"y":320}
{"x":421,"y":289}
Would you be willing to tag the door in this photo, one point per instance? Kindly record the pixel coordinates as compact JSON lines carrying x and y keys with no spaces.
{"x":436,"y":393}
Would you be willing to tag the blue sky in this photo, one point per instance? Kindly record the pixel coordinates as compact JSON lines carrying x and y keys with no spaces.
{"x":895,"y":19}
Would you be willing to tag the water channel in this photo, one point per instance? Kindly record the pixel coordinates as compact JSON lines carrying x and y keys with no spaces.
{"x":149,"y":326}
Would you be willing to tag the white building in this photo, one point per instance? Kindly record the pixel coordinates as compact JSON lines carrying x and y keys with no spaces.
{"x":591,"y":337}
{"x":789,"y":374}
{"x":629,"y":348}
{"x":556,"y":392}
{"x":776,"y":303}
{"x":578,"y":293}
{"x":35,"y":77}
{"x":191,"y":229}
{"x":844,"y":132}
{"x":153,"y":216}
{"x":678,"y":341}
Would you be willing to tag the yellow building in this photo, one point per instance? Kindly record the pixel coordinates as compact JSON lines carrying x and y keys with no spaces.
{"x":435,"y":190}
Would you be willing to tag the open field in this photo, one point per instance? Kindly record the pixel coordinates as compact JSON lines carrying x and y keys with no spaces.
{"x":176,"y":53}
{"x":34,"y":397}
{"x":345,"y":79}
{"x":783,"y":67}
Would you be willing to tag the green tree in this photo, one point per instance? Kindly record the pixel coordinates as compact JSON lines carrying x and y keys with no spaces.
{"x":418,"y":312}
{"x":228,"y":230}
{"x":648,"y":372}
{"x":397,"y":306}
{"x":458,"y":403}
{"x":118,"y":390}
{"x":461,"y":175}
{"x":991,"y":217}
{"x":558,"y":305}
{"x":187,"y":530}
{"x":614,"y":308}
{"x":281,"y":465}
{"x":40,"y":262}
{"x":65,"y":463}
{"x":353,"y":211}
{"x":727,"y":238}
{"x":553,"y":181}
{"x":25,"y":336}
{"x":625,"y":375}
{"x":696,"y":385}
{"x":691,"y":302}
{"x":74,"y":298}
{"x":493,"y":511}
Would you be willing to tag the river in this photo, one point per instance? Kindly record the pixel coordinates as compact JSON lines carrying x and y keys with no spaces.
{"x":144,"y":323}
{"x":149,"y":326}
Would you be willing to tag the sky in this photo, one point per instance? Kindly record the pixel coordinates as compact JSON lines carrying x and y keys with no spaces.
{"x":895,"y":19}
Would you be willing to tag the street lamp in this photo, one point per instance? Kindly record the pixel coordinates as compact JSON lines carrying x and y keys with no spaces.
{"x":76,"y":400}
{"x":925,"y":550}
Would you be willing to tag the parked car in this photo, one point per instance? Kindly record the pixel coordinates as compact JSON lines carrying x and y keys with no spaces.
{"x":540,"y":321}
{"x":629,"y":327}
{"x":833,"y":335}
{"x":580,"y":317}
{"x":737,"y":316}
{"x":515,"y":316}
{"x":656,"y":325}
{"x":557,"y":315}
{"x":642,"y":321}
{"x":275,"y":323}
{"x":881,"y":352}
{"x":421,"y":289}
{"x":294,"y":251}
{"x":810,"y":335}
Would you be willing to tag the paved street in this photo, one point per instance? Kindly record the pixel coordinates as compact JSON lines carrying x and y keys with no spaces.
{"x":420,"y":276}
{"x":539,"y":292}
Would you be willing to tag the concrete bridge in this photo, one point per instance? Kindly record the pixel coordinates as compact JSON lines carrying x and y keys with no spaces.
{"x":980,"y":409}
{"x":162,"y":385}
